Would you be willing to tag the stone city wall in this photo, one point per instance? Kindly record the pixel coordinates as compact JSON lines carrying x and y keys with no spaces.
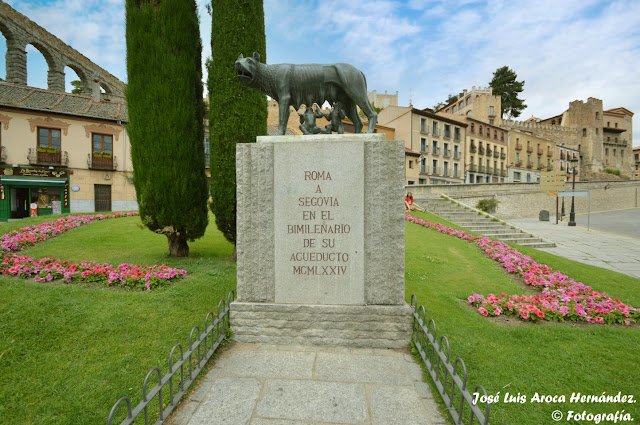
{"x":521,"y":200}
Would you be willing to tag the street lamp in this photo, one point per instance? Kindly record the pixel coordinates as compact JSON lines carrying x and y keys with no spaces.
{"x":572,"y":214}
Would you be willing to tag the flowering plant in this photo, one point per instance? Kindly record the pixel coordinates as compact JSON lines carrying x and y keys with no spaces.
{"x":48,"y":269}
{"x":561,"y":297}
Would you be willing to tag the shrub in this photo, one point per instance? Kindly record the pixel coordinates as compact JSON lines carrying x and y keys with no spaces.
{"x":488,"y":205}
{"x":612,"y":171}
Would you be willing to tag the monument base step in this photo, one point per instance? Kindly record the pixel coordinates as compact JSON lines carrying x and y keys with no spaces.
{"x":374,"y":326}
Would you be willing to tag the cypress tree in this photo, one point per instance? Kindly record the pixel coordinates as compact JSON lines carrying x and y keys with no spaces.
{"x":166,"y":111}
{"x":237,"y":114}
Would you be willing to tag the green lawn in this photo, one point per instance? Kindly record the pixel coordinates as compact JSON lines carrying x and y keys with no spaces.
{"x":71,"y":351}
{"x":517,"y":357}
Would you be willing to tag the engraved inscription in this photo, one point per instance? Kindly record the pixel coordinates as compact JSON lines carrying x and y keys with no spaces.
{"x":319,"y":223}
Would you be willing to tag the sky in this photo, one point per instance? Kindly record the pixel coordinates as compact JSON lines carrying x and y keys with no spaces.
{"x":423,"y":49}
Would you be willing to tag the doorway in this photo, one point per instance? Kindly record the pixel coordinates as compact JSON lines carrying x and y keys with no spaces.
{"x":102,"y":197}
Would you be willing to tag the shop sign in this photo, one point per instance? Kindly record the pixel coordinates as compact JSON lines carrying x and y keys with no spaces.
{"x":75,"y":188}
{"x":66,"y":194}
{"x":2,"y":192}
{"x":34,"y":172}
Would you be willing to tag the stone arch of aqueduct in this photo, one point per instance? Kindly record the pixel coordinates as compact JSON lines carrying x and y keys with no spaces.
{"x":19,"y":32}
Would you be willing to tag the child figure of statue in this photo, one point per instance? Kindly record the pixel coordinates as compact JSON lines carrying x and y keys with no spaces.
{"x":335,"y":119}
{"x":308,"y":121}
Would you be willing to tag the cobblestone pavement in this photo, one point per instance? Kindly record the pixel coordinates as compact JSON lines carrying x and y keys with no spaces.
{"x":600,"y":246}
{"x":261,"y":384}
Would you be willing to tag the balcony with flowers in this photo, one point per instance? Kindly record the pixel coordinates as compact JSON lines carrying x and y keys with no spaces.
{"x":101,"y":160}
{"x":43,"y":155}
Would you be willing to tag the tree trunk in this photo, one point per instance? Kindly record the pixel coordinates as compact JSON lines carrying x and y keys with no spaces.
{"x":177,"y":245}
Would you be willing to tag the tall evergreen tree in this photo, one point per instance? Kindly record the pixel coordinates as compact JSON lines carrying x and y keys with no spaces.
{"x":504,"y":84}
{"x":237,"y":114}
{"x":166,"y":111}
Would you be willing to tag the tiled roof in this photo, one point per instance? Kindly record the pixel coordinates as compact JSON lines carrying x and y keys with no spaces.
{"x":36,"y":99}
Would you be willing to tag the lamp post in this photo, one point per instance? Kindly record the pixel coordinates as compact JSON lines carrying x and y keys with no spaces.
{"x":572,"y":214}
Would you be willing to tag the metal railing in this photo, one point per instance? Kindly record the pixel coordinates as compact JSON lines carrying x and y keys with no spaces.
{"x":216,"y":328}
{"x":47,"y":158}
{"x":436,"y":357}
{"x":102,"y":163}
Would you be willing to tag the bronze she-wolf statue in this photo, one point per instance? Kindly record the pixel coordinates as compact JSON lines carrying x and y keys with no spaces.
{"x":294,"y":85}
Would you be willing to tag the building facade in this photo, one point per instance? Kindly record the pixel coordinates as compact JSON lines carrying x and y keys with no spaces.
{"x":479,"y":103}
{"x":62,"y":152}
{"x":566,"y":159}
{"x":529,"y":156}
{"x":440,"y":141}
{"x":604,"y":138}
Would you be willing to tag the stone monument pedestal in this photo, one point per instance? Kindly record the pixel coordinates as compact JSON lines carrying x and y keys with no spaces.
{"x":320,"y":241}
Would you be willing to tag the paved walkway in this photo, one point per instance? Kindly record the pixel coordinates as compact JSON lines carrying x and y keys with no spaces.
{"x":262,"y":384}
{"x":600,"y":246}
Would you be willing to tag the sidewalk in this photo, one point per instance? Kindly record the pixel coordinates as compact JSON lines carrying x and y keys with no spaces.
{"x":594,"y":247}
{"x":261,"y":384}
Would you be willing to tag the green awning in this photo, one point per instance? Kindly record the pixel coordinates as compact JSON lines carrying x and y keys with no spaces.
{"x":32,"y":181}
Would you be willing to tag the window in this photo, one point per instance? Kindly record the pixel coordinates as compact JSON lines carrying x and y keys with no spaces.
{"x":434,"y":146}
{"x":454,"y":108}
{"x":435,"y":128}
{"x":480,"y":130}
{"x":584,"y":132}
{"x":103,"y":144}
{"x":455,"y":170}
{"x":410,"y":163}
{"x":606,"y":151}
{"x":495,"y":134}
{"x":469,"y":100}
{"x":516,"y":176}
{"x":423,"y":125}
{"x":517,"y":157}
{"x":597,"y":115}
{"x":502,"y":137}
{"x":423,"y":144}
{"x":490,"y":122}
{"x":473,"y":128}
{"x":422,"y":181}
{"x":614,"y":152}
{"x":616,"y":125}
{"x":456,"y":133}
{"x":490,"y":110}
{"x":447,"y":131}
{"x":49,"y":138}
{"x":608,"y":123}
{"x":455,"y":151}
{"x":528,"y":178}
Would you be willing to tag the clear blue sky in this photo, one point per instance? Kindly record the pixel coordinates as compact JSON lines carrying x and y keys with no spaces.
{"x":425,"y":49}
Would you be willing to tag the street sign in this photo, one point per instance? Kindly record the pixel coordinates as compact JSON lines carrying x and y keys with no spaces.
{"x":552,"y":193}
{"x":552,"y":181}
{"x":561,"y":194}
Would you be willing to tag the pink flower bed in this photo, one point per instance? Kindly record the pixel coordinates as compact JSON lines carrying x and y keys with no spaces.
{"x":561,"y":297}
{"x":48,"y":269}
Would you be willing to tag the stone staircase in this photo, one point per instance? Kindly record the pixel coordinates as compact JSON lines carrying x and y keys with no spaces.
{"x":472,"y":220}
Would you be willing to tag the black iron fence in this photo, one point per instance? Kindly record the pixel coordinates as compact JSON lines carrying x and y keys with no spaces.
{"x":202,"y":348}
{"x":446,"y":376}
